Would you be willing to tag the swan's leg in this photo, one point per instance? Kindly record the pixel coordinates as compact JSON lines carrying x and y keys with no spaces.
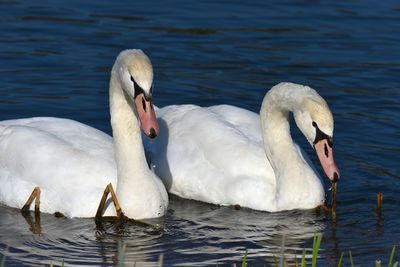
{"x":34,"y":196}
{"x":325,"y":208}
{"x":34,"y":225}
{"x":115,"y":200}
{"x":109,"y":190}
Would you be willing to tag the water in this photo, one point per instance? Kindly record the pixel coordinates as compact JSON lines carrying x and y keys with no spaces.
{"x":56,"y":58}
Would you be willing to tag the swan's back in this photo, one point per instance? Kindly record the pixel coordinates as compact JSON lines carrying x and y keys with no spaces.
{"x":68,"y":160}
{"x":244,"y":121}
{"x":221,"y":163}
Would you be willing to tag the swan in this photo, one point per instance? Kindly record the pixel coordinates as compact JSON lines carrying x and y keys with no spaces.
{"x":223,"y":154}
{"x":72,"y":163}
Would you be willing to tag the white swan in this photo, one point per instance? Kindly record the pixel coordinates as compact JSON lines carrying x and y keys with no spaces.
{"x":224,"y":155}
{"x":72,"y":163}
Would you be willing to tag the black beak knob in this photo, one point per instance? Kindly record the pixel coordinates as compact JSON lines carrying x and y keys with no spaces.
{"x":152,"y":133}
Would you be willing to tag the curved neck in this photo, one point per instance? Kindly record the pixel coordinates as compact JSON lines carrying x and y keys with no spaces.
{"x":279,"y":146}
{"x":132,"y":168}
{"x":292,"y":172}
{"x":274,"y":116}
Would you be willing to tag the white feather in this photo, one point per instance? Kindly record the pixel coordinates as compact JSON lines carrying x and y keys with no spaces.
{"x":72,"y":163}
{"x":224,"y":154}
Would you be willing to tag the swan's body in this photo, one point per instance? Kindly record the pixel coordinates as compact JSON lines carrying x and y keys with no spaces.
{"x":224,"y":155}
{"x":72,"y":163}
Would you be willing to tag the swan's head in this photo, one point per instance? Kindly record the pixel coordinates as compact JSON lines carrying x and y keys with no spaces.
{"x":136,"y":75}
{"x":315,"y":120}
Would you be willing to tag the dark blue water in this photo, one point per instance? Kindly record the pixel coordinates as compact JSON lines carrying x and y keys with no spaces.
{"x":55,"y":60}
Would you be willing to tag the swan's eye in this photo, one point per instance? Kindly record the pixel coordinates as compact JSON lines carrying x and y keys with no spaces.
{"x":133,"y":80}
{"x":320,"y":135}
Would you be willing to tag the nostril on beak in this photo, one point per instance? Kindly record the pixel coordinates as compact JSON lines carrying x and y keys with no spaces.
{"x":335,"y":177}
{"x":144,"y":104}
{"x":152,"y":133}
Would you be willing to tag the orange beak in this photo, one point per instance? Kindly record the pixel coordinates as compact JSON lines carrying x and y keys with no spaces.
{"x":147,"y":116}
{"x":325,"y":155}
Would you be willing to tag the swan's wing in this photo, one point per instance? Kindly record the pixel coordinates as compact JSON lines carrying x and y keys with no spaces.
{"x":201,"y":155}
{"x":65,"y":158}
{"x":245,"y":121}
{"x":73,"y":133}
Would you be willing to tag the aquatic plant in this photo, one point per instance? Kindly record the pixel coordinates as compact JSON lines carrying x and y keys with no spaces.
{"x":390,"y":262}
{"x":62,"y":264}
{"x":316,"y":246}
{"x":244,"y":264}
{"x":3,"y":260}
{"x":282,"y":261}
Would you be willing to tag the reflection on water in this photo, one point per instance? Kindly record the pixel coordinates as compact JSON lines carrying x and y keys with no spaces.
{"x":194,"y":232}
{"x":223,"y":233}
{"x":55,"y":60}
{"x":76,"y":241}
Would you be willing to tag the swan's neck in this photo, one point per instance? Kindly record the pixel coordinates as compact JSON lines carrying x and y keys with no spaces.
{"x":295,"y":179}
{"x":279,"y":146}
{"x":127,"y":136}
{"x":135,"y":183}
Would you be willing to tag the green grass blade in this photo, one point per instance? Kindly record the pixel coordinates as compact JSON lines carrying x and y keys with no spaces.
{"x":316,"y":245}
{"x":276,"y":263}
{"x":121,"y":253}
{"x":303,"y":259}
{"x":340,"y":260}
{"x":392,"y":256}
{"x":282,"y":257}
{"x":244,"y":264}
{"x":396,"y":264}
{"x":296,"y":264}
{"x":161,"y":260}
{"x":351,"y":259}
{"x":3,"y":260}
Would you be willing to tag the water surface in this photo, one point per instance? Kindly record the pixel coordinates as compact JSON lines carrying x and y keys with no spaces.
{"x":55,"y":60}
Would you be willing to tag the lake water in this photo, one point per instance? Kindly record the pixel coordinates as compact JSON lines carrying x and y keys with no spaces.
{"x":55,"y":60}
